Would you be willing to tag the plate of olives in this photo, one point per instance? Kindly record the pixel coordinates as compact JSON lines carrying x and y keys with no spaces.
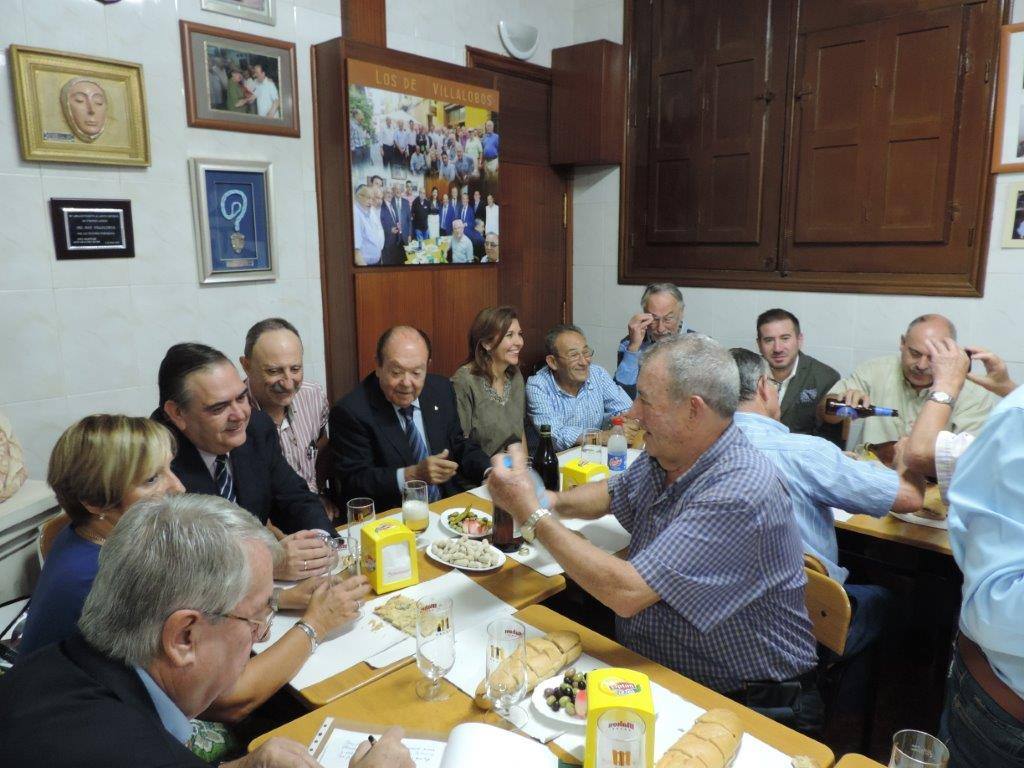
{"x":563,"y":699}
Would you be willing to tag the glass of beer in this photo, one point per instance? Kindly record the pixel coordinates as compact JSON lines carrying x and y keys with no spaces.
{"x":916,"y":749}
{"x":415,"y":509}
{"x":590,"y":450}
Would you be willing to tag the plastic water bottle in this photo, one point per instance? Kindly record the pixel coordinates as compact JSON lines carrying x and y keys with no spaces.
{"x":617,"y":447}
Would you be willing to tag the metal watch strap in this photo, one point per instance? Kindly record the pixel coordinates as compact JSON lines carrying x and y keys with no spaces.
{"x":275,"y":599}
{"x":942,"y":398}
{"x":314,"y":641}
{"x":529,"y":528}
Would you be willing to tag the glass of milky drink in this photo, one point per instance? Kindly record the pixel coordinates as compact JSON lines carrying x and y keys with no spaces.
{"x":415,"y":512}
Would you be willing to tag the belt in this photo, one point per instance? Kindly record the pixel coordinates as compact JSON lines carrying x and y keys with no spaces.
{"x":978,"y":665}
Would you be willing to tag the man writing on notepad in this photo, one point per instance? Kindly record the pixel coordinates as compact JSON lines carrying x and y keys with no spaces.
{"x":713,"y":585}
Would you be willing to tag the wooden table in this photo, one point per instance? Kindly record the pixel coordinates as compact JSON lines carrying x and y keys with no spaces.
{"x":888,"y":528}
{"x":391,"y":700}
{"x":516,"y":584}
{"x":858,"y":761}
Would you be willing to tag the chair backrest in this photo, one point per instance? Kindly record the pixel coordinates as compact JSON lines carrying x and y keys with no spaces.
{"x":813,"y":563}
{"x":48,"y":532}
{"x":828,"y":607}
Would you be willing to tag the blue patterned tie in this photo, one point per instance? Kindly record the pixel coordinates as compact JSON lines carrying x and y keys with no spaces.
{"x":419,"y":448}
{"x":221,"y":476}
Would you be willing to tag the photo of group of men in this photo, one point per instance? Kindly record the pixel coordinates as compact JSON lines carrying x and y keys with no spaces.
{"x":424,"y":179}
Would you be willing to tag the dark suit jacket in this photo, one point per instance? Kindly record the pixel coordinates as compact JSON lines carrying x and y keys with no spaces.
{"x":405,"y":214}
{"x":392,"y":253}
{"x":69,"y":706}
{"x":265,"y":483}
{"x":420,"y":211}
{"x":370,"y":444}
{"x":812,"y":381}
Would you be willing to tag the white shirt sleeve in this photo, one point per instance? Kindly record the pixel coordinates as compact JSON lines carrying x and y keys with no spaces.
{"x":948,"y":448}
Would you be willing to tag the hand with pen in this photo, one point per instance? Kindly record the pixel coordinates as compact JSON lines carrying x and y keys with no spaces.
{"x":386,"y":752}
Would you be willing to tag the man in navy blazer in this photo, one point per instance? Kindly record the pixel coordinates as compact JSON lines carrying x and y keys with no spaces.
{"x":224,"y":449}
{"x":395,"y":222}
{"x":401,"y":423}
{"x":449,"y":212}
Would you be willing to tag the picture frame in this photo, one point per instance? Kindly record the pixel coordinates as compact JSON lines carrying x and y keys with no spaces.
{"x":239,"y":82}
{"x":231,"y":206}
{"x":73,"y":108}
{"x":262,"y":11}
{"x":1008,"y":141}
{"x":1013,"y":221}
{"x":92,"y":229}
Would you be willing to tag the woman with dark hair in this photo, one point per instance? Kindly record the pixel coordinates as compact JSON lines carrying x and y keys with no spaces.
{"x":489,"y":389}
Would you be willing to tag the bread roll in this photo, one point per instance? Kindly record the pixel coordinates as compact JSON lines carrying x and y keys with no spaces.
{"x":711,"y":743}
{"x":545,"y":657}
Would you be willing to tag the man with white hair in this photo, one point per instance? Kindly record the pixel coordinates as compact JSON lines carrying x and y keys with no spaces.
{"x":661,"y":318}
{"x":183,"y":591}
{"x":713,"y":584}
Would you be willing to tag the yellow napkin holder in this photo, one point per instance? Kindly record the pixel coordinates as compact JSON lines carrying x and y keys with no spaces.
{"x":624,"y":695}
{"x":388,"y":555}
{"x":575,"y":473}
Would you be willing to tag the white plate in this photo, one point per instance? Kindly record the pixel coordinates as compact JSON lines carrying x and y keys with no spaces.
{"x":910,"y":517}
{"x":443,"y":522}
{"x":438,"y":559}
{"x":542,"y":708}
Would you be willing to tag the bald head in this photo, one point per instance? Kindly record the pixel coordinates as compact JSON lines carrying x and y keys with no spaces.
{"x":914,"y":357}
{"x":403,"y":354}
{"x":941,"y":325}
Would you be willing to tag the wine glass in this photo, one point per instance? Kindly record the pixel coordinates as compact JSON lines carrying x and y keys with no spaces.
{"x":415,"y":506}
{"x":621,"y":738}
{"x":916,"y":749}
{"x":360,"y":511}
{"x":590,"y":451}
{"x":435,"y":645}
{"x":506,"y":669}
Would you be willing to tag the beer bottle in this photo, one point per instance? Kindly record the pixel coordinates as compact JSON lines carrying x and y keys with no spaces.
{"x":545,"y":460}
{"x":505,"y":535}
{"x":835,"y":407}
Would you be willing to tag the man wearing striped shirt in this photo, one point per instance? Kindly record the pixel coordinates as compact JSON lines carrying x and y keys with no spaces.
{"x":571,"y":394}
{"x":713,"y":584}
{"x":273,"y":366}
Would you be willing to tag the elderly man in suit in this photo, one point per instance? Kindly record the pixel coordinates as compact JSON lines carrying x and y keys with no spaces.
{"x":401,"y":423}
{"x":226,"y":449}
{"x":802,"y":380}
{"x":183,"y":591}
{"x":395,"y":222}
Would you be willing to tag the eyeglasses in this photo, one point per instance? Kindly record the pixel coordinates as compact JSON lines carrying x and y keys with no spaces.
{"x":666,"y":320}
{"x":260,"y":628}
{"x":576,"y":355}
{"x":488,"y":244}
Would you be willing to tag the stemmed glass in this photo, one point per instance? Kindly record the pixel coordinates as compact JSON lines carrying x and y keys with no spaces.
{"x":435,"y":645}
{"x":360,"y":511}
{"x":916,"y":749}
{"x":590,"y":451}
{"x":506,"y":669}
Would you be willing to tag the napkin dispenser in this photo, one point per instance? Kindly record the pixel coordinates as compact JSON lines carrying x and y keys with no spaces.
{"x":388,"y":555}
{"x":619,"y":703}
{"x":577,"y":472}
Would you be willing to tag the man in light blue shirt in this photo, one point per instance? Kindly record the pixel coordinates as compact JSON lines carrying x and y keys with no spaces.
{"x":572,"y":395}
{"x":462,"y":246}
{"x":661,"y":318}
{"x":821,"y":477}
{"x":983,"y":719}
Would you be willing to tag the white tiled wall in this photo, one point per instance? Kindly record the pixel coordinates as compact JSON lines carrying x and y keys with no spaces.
{"x":81,"y":337}
{"x":840,"y":329}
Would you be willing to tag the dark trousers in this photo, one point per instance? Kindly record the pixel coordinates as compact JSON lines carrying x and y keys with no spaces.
{"x":978,"y":732}
{"x":795,"y":703}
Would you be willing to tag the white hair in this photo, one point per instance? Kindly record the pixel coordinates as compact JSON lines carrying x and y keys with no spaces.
{"x":699,"y":365}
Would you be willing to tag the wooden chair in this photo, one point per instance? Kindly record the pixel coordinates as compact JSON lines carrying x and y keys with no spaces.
{"x":48,"y":532}
{"x":813,"y":563}
{"x":828,"y":607}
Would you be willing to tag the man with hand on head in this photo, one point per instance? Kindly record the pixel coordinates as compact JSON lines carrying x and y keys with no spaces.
{"x":661,"y":318}
{"x":401,"y":423}
{"x":225,"y":449}
{"x":183,"y":591}
{"x":713,"y":584}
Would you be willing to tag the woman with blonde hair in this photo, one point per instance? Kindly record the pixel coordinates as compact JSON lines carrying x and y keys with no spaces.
{"x":489,"y":388}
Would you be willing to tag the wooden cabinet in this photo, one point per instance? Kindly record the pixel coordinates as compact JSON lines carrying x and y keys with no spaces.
{"x":588,"y":99}
{"x":807,"y":145}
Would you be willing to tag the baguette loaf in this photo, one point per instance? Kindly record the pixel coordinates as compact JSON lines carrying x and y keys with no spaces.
{"x":711,"y":743}
{"x":545,"y":657}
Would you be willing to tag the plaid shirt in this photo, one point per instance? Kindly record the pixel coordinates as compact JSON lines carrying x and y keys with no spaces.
{"x":720,"y":548}
{"x":304,"y":422}
{"x":598,"y":399}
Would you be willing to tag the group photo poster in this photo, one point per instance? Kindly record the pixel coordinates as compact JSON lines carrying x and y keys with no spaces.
{"x":424,"y":154}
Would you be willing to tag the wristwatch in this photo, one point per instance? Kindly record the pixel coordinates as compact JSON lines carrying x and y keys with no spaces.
{"x":529,"y":528}
{"x":942,"y":398}
{"x":314,"y":641}
{"x":275,"y":599}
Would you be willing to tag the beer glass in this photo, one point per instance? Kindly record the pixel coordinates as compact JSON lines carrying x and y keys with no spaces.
{"x":590,"y":452}
{"x":916,"y":749}
{"x":360,"y":511}
{"x":621,"y":738}
{"x":415,"y":509}
{"x":435,"y":645}
{"x":506,"y":669}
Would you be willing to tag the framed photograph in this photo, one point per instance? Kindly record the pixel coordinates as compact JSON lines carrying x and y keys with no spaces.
{"x":1008,"y":146}
{"x":233,"y":224}
{"x":1013,"y":220}
{"x":424,"y":161}
{"x":92,"y":229}
{"x":79,"y":109}
{"x":239,"y":82}
{"x":253,"y":10}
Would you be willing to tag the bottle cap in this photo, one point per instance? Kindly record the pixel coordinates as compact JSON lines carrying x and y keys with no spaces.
{"x":618,"y":421}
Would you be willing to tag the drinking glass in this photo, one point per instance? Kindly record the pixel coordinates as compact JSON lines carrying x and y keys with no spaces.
{"x":360,"y":511}
{"x":621,"y":738}
{"x":916,"y":749}
{"x":435,"y":645}
{"x":591,"y":448}
{"x":506,"y":669}
{"x":415,"y":509}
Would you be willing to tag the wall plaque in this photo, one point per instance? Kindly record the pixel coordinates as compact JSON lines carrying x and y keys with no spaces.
{"x":92,"y":229}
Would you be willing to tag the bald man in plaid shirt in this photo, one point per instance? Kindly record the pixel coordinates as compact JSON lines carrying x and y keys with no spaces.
{"x":713,"y":585}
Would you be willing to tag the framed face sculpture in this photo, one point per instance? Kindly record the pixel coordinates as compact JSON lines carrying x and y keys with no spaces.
{"x":79,"y":109}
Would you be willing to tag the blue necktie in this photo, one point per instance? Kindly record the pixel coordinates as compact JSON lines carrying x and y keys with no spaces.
{"x":419,"y":448}
{"x":221,"y":476}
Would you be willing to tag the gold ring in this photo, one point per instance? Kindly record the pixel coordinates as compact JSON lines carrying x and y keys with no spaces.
{"x":303,"y":565}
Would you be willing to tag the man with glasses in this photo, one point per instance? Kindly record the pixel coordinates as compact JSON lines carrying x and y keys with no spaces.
{"x":183,"y":591}
{"x":661,"y":318}
{"x":571,"y":394}
{"x":490,"y":248}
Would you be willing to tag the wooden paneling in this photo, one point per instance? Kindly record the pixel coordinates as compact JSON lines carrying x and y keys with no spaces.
{"x":364,"y":21}
{"x":588,"y":104}
{"x":458,"y":296}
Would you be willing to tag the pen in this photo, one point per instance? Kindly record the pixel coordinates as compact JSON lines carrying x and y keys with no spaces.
{"x":371,"y":739}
